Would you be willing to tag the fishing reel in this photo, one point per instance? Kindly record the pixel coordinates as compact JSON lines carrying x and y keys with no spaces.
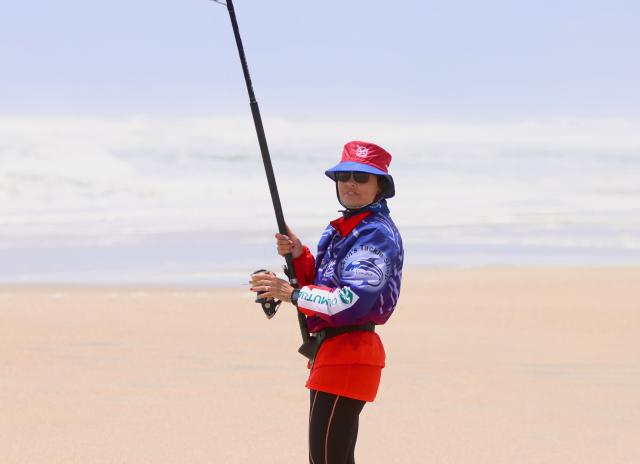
{"x":269,"y":305}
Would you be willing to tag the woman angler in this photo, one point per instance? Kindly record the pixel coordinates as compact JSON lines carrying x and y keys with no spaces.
{"x":350,"y":286}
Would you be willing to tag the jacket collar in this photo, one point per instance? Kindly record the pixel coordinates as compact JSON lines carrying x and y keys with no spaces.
{"x":344,"y":225}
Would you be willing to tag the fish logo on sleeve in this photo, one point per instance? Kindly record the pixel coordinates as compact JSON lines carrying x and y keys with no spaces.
{"x":365,"y":272}
{"x":366,"y":266}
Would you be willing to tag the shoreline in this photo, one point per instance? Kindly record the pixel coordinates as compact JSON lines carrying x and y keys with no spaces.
{"x":197,"y":284}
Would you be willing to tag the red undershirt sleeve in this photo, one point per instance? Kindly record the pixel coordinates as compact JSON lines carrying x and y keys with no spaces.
{"x":305,"y":268}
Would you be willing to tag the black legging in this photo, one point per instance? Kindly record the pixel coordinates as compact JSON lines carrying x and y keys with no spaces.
{"x":333,"y":428}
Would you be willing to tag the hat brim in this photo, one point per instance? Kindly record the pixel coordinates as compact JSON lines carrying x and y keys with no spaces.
{"x":348,"y":166}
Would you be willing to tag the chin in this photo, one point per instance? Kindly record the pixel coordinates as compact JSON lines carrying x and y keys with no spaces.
{"x":355,"y":202}
{"x":353,"y":205}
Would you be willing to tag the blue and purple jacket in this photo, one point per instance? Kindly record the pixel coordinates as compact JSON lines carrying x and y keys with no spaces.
{"x":356,"y":275}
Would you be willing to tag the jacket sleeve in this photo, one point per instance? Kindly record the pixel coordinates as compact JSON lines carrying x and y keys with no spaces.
{"x":364,"y":274}
{"x":304,"y":267}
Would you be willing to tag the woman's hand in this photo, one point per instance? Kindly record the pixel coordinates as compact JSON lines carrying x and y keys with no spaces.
{"x":273,"y":287}
{"x":289,"y":244}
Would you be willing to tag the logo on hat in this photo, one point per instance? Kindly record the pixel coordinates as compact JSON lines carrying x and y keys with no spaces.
{"x":362,"y":152}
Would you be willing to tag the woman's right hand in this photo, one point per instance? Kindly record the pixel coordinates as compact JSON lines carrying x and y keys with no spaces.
{"x":289,"y":244}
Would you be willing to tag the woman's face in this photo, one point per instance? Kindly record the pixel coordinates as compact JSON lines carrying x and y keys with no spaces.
{"x":355,"y":194}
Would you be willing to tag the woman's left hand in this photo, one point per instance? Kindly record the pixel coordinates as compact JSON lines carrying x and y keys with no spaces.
{"x":273,"y":287}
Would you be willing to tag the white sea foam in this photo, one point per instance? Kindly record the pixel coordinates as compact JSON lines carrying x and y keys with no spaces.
{"x":107,"y":181}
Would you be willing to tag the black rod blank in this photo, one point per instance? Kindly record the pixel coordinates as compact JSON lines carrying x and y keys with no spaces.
{"x":266,"y":159}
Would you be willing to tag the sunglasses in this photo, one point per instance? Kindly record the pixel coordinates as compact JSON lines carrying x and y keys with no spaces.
{"x":359,"y":177}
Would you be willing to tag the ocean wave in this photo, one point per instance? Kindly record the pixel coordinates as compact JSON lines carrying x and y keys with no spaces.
{"x":143,"y":175}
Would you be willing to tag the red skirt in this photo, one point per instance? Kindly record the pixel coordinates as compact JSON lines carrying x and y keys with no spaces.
{"x":349,"y":365}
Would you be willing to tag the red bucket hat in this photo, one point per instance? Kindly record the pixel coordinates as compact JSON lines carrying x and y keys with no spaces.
{"x":365,"y":157}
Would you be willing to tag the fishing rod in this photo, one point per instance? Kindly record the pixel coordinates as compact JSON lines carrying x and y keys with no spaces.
{"x":305,"y":348}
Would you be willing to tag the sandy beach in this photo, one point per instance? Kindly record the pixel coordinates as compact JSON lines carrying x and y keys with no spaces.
{"x":484,"y":365}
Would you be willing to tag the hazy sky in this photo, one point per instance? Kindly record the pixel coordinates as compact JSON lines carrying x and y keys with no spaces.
{"x":412,"y":60}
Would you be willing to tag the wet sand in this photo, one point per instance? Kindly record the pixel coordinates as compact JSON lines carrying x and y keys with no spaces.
{"x":486,"y":365}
